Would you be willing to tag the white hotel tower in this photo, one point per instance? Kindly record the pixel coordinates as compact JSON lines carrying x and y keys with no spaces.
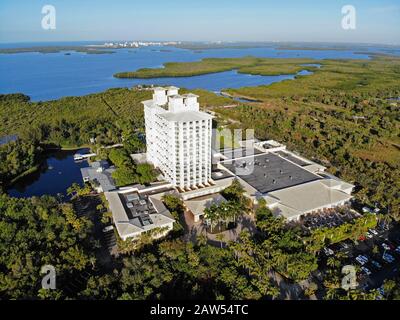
{"x":178,"y":137}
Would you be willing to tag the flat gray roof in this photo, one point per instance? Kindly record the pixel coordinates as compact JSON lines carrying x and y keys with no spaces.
{"x":269,"y":172}
{"x":103,"y":178}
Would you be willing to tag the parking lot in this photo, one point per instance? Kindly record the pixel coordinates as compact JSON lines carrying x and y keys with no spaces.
{"x":376,"y":256}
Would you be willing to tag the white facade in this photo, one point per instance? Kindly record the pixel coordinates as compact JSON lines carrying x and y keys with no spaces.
{"x":178,"y":137}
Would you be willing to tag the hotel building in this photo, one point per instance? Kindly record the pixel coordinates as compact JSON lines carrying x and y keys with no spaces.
{"x":178,"y":137}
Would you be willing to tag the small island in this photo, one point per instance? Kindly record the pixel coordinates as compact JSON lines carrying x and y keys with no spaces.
{"x":246,"y":65}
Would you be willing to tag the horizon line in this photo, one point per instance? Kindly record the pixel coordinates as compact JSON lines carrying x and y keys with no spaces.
{"x":210,"y":41}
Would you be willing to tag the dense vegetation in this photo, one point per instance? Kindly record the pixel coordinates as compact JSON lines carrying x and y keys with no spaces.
{"x":40,"y":231}
{"x":37,"y":232}
{"x":72,"y":121}
{"x":18,"y":157}
{"x":128,"y":172}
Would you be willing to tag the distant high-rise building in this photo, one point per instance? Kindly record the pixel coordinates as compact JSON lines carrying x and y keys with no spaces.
{"x":178,"y":137}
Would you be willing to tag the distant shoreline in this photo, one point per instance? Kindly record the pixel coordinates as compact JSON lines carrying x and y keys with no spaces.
{"x":199,"y":46}
{"x":56,"y":49}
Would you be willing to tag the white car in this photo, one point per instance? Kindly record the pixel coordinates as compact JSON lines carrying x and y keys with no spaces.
{"x":366,"y":270}
{"x":366,"y":210}
{"x":385,"y":246}
{"x":361,"y":260}
{"x":369,"y":235}
{"x":328,"y":251}
{"x":373,"y":231}
{"x":388,"y":258}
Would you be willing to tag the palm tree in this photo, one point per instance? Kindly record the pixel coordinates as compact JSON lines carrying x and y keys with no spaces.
{"x":333,"y":262}
{"x":220,"y":237}
{"x":202,"y":240}
{"x":210,"y":214}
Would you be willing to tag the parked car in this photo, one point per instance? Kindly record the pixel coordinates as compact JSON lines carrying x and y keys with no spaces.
{"x":381,"y":294}
{"x":388,"y":257}
{"x":385,"y":246}
{"x":366,"y":271}
{"x":391,"y":245}
{"x":376,"y":264}
{"x":361,"y":259}
{"x":398,"y":249}
{"x":344,"y":245}
{"x":328,"y":251}
{"x":373,"y":231}
{"x":364,"y":286}
{"x":366,"y":210}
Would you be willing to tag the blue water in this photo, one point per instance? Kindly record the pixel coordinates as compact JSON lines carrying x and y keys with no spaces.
{"x":54,"y":75}
{"x":57,"y":174}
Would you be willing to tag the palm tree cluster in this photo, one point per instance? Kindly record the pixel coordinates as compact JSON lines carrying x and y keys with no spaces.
{"x":223,"y":214}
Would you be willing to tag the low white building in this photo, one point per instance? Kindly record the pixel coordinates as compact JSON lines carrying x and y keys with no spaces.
{"x":135,"y":214}
{"x":314,"y":196}
{"x":291,"y":185}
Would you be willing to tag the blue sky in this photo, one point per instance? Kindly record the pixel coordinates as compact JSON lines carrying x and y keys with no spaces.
{"x":378,"y":21}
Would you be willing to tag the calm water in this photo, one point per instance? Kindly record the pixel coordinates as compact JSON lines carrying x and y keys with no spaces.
{"x":54,"y":75}
{"x":57,"y":174}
